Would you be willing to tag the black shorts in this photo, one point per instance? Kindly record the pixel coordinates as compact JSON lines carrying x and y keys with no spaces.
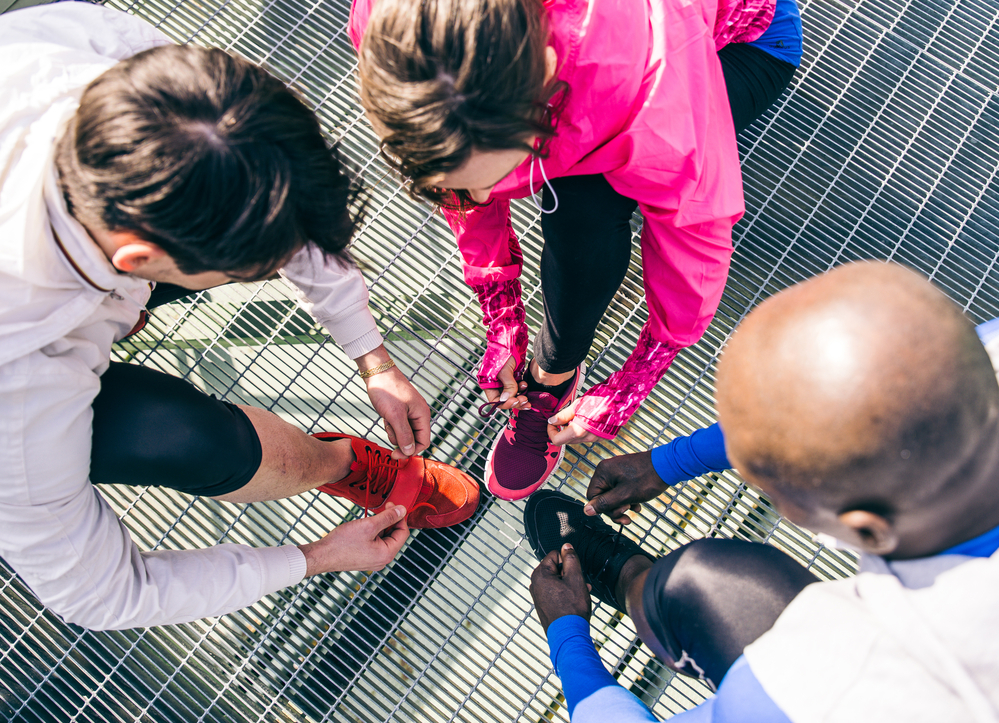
{"x":156,"y":430}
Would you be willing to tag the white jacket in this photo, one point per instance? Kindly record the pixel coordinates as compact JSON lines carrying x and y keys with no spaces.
{"x":60,"y":311}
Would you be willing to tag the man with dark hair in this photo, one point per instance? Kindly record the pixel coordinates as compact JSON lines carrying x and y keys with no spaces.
{"x":133,"y":171}
{"x":863,"y":404}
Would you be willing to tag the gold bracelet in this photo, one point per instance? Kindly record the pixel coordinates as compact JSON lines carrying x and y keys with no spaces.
{"x":365,"y":373}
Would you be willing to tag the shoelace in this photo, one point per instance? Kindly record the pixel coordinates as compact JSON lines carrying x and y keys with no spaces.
{"x":531,"y":431}
{"x":617,"y":539}
{"x":380,"y":477}
{"x":487,"y":409}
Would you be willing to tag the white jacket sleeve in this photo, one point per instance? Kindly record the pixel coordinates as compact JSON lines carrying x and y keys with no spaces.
{"x":81,"y":27}
{"x":67,"y":544}
{"x":337,"y":297}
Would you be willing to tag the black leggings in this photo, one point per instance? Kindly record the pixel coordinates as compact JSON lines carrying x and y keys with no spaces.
{"x":154,"y":429}
{"x":588,"y":238}
{"x":708,"y":600}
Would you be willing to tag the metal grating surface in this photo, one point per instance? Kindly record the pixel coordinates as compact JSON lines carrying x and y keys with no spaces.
{"x":885,"y":147}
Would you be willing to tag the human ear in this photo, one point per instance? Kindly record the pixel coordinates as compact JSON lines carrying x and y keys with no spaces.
{"x":551,"y":63}
{"x":873,"y":532}
{"x":133,"y":254}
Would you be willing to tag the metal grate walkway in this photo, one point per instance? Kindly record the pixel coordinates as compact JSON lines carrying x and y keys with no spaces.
{"x":885,"y":147}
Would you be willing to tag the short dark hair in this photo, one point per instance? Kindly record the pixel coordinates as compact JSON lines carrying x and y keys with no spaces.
{"x":446,"y":77}
{"x":209,"y":157}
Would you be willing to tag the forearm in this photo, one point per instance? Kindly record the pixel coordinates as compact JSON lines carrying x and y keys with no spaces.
{"x":102,"y":581}
{"x":584,"y":676}
{"x":607,"y":406}
{"x":688,"y":457}
{"x":335,"y":296}
{"x":506,"y":330}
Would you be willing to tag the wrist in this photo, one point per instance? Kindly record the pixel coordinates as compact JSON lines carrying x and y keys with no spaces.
{"x":313,"y":565}
{"x":375,"y":362}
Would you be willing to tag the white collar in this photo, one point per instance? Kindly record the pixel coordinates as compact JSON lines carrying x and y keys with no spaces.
{"x":81,"y":252}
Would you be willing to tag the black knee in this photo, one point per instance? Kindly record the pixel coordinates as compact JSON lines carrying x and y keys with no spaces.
{"x":154,"y":429}
{"x":711,"y":598}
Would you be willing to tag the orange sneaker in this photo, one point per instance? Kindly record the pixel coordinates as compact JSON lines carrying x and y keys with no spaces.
{"x":434,"y":494}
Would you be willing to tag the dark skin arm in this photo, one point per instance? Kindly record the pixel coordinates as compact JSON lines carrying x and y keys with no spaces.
{"x":621,"y":484}
{"x":559,"y":588}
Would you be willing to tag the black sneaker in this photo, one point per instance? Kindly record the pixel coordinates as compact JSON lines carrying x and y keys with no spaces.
{"x":552,"y":519}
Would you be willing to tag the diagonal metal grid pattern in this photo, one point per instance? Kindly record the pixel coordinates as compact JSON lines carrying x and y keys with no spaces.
{"x":884,"y":147}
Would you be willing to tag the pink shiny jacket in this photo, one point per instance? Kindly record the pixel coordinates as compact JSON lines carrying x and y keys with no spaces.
{"x":648,"y":108}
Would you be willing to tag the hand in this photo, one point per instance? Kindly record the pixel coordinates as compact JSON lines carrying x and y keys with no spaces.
{"x":558,"y":587}
{"x":512,"y":392}
{"x":368,"y":544}
{"x":620,"y":484}
{"x":562,"y":430}
{"x":405,"y":412}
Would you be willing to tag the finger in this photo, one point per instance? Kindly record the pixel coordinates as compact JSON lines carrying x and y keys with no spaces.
{"x":510,"y":385}
{"x":558,"y":436}
{"x":492,"y":395}
{"x":397,"y":538}
{"x":562,"y":418}
{"x":392,"y":514}
{"x":549,"y":565}
{"x":390,"y":432}
{"x":420,"y":423}
{"x":401,"y":435}
{"x":607,"y":503}
{"x":571,"y":568}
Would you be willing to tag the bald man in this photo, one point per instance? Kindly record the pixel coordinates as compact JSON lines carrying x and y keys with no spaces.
{"x":864,"y":405}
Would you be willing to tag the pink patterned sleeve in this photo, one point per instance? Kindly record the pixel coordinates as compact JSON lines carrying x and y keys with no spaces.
{"x":606,"y":407}
{"x":506,"y":330}
{"x":491,"y":262}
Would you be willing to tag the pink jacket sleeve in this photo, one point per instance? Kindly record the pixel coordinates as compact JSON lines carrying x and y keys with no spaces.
{"x":491,"y":262}
{"x":684,"y":270}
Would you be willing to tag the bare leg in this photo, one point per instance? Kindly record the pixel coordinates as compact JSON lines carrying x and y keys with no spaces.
{"x":548,"y":379}
{"x":292,"y":463}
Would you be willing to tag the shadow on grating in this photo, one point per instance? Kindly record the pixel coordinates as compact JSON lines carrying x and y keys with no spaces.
{"x":885,"y":147}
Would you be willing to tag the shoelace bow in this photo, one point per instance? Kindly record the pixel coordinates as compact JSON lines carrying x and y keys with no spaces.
{"x":381,"y":474}
{"x":531,"y":430}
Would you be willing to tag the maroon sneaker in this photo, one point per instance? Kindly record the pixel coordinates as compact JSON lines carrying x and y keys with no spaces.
{"x":523,"y":457}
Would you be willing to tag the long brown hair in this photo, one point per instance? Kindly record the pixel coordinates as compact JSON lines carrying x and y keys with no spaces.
{"x":444,"y":77}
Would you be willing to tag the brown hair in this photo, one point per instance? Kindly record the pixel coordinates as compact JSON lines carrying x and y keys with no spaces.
{"x":444,"y":77}
{"x":209,"y":157}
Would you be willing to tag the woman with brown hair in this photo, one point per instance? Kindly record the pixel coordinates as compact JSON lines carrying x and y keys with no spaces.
{"x":603,"y":107}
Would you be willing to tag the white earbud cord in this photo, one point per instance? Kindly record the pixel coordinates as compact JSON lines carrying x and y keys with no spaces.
{"x":536,"y":196}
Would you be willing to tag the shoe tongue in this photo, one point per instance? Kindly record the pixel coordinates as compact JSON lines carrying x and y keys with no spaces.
{"x":542,"y":402}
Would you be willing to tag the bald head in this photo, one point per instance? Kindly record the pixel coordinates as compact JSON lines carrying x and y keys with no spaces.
{"x":864,"y":387}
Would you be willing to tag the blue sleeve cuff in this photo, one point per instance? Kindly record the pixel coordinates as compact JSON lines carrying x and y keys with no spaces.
{"x":575,"y":660}
{"x":687,"y":457}
{"x":988,"y":330}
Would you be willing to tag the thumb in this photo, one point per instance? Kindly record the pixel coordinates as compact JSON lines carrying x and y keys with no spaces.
{"x":549,"y":565}
{"x":564,"y":417}
{"x":392,"y":514}
{"x":571,"y":568}
{"x":508,"y":380}
{"x":403,"y":432}
{"x":607,"y":502}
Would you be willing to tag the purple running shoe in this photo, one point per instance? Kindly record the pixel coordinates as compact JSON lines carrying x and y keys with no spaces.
{"x":523,"y":457}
